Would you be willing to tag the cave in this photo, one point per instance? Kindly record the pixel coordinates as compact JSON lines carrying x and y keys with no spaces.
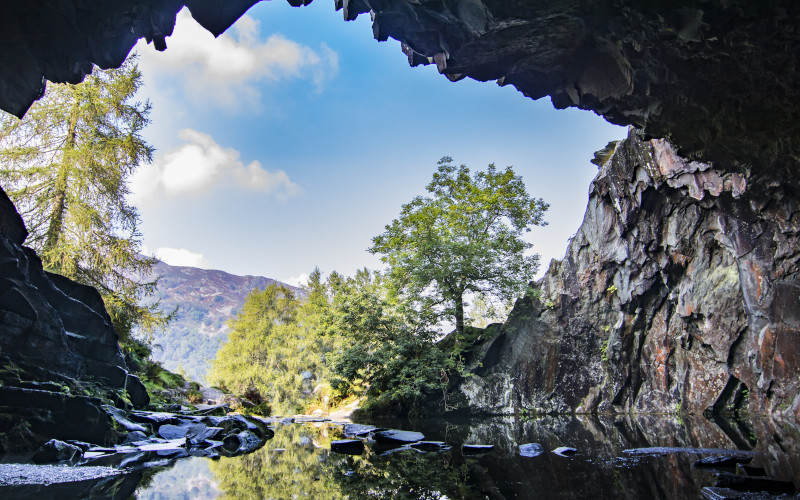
{"x":681,"y":287}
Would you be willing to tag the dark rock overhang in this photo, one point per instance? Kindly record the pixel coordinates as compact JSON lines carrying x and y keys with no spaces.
{"x":718,"y":78}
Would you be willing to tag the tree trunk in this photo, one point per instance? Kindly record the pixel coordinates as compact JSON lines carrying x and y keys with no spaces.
{"x":459,"y":298}
{"x":60,"y":190}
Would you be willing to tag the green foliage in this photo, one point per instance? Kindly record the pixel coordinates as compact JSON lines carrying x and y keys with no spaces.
{"x":485,"y":311}
{"x":306,"y":468}
{"x":296,"y":472}
{"x":388,"y":351}
{"x":276,"y":347}
{"x":604,"y":351}
{"x":66,"y":167}
{"x":612,"y":289}
{"x":465,"y":237}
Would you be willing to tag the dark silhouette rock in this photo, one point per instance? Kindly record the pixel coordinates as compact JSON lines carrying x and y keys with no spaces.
{"x":755,"y":484}
{"x":55,"y":334}
{"x":716,"y":78}
{"x":56,"y":451}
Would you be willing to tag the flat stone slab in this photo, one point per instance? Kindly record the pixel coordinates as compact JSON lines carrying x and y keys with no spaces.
{"x":169,"y":431}
{"x":169,"y":445}
{"x":358,"y":430}
{"x":530,"y":450}
{"x":395,"y":436}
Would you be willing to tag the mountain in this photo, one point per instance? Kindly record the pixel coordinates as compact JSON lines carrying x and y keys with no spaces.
{"x":205,"y":300}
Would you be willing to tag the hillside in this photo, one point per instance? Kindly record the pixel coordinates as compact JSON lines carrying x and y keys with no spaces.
{"x":205,"y":299}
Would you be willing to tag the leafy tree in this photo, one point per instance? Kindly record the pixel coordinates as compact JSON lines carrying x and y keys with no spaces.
{"x":275,"y":348}
{"x":465,"y":237}
{"x":66,"y":165}
{"x":388,"y":351}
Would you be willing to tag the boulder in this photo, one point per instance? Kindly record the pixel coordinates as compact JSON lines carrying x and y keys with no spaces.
{"x":530,"y":450}
{"x":56,"y":451}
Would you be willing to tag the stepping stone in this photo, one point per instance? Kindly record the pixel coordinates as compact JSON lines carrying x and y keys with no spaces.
{"x":565,"y":451}
{"x":395,"y":436}
{"x":358,"y":430}
{"x":530,"y":450}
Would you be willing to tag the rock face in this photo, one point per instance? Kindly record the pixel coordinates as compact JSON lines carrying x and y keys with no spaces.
{"x":55,"y":339}
{"x":680,"y":291}
{"x":61,"y":40}
{"x":718,"y":79}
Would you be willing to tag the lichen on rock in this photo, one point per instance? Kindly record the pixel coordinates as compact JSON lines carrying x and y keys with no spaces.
{"x":676,"y":294}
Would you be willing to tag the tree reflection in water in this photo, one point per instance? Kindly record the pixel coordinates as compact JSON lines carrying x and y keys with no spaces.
{"x":298,"y":463}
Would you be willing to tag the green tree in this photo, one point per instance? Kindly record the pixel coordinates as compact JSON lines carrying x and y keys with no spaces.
{"x":66,"y":165}
{"x":465,"y":237}
{"x":276,"y":347}
{"x":388,"y":351}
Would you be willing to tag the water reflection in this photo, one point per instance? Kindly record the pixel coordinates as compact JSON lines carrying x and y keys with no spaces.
{"x":298,"y":463}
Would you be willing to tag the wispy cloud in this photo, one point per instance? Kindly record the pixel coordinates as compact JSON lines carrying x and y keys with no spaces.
{"x":227,"y":70}
{"x":178,"y":257}
{"x":201,"y":165}
{"x":300,"y":280}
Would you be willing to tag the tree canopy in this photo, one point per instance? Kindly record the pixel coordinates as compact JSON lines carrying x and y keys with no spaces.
{"x":276,"y":349}
{"x":66,"y":165}
{"x":465,"y":237}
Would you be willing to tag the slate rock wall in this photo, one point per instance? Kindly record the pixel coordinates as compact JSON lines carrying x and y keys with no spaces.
{"x":679,"y":292}
{"x":55,"y":337}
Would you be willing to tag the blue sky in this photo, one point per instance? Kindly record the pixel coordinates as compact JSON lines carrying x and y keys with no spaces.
{"x":294,"y":138}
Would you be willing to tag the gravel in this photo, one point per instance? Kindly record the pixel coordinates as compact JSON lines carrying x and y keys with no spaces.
{"x":18,"y":474}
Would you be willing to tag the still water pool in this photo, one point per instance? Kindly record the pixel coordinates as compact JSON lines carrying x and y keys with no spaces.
{"x":298,"y":463}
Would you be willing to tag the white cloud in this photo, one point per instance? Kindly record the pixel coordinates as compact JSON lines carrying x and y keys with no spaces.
{"x":201,"y":165}
{"x":299,"y":280}
{"x":178,"y":257}
{"x":226,"y":70}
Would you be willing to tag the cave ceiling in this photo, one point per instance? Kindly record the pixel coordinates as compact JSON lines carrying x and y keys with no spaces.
{"x":720,"y":79}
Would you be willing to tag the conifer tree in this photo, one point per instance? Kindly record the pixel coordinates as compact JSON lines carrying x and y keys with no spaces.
{"x":66,"y":166}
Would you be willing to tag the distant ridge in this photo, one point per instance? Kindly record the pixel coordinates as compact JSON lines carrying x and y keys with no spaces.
{"x":206,"y":299}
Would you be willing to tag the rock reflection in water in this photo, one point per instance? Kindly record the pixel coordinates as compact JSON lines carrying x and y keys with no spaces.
{"x":298,"y":463}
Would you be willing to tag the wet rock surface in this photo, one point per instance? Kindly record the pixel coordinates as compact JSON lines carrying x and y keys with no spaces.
{"x":165,"y":438}
{"x":56,"y":342}
{"x":678,"y":293}
{"x":631,"y":457}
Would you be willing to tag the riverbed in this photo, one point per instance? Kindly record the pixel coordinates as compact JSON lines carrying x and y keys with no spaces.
{"x":554,"y":457}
